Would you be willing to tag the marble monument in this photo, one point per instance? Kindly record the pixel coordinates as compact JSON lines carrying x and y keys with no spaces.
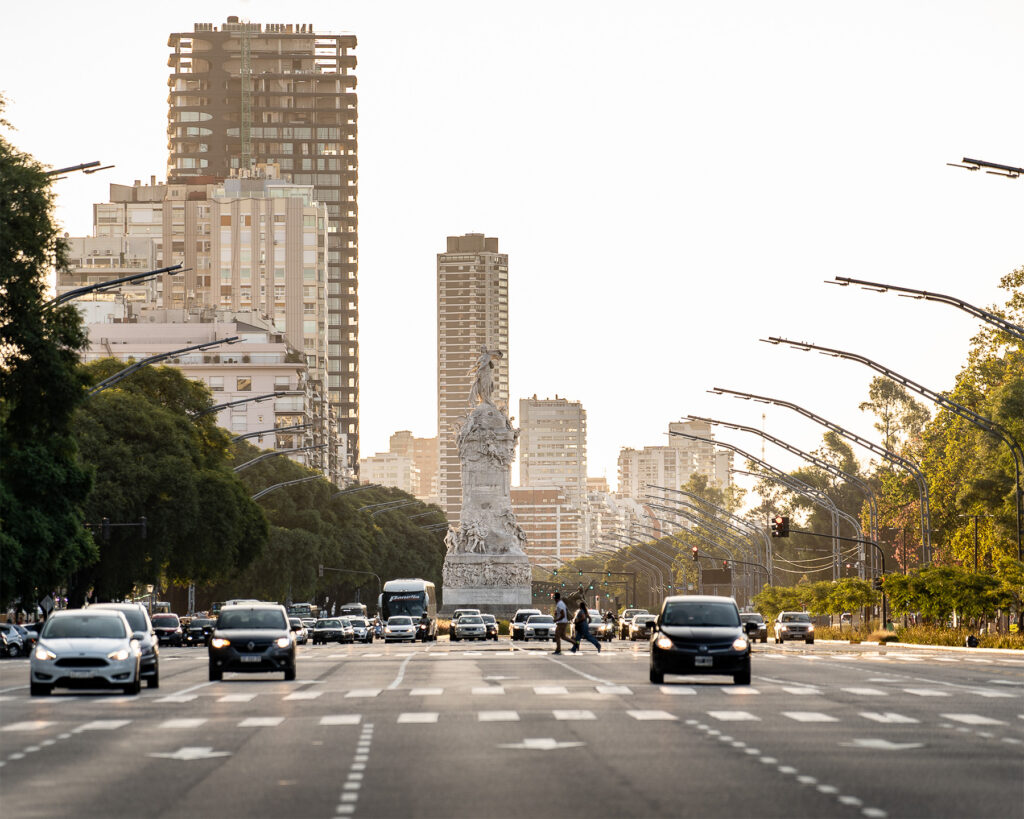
{"x":485,"y":566}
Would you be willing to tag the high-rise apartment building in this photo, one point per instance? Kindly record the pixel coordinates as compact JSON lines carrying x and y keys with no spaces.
{"x":674,"y":464}
{"x":472,"y":312}
{"x":282,"y":94}
{"x":553,"y":445}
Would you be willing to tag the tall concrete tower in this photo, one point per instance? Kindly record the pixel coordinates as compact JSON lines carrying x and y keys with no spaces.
{"x":472,"y":312}
{"x":281,"y":95}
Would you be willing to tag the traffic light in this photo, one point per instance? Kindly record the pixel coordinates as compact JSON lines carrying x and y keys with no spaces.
{"x":693,"y":552}
{"x":320,"y":571}
{"x":581,"y":572}
{"x":554,"y":571}
{"x":609,"y":574}
{"x":780,"y":526}
{"x":105,"y":529}
{"x":876,"y":583}
{"x":725,"y":564}
{"x":144,"y":523}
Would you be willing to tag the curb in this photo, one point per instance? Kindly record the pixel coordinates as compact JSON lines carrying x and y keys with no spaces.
{"x":1009,"y":651}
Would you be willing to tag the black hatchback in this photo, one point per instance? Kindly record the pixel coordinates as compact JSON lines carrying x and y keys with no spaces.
{"x":252,"y":638}
{"x":701,"y":634}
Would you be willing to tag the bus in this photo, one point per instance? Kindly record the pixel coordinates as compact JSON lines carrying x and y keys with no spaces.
{"x":353,"y":610}
{"x":411,"y":597}
{"x":307,"y":610}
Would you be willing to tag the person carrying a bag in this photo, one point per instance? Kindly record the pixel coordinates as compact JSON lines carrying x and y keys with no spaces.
{"x":582,"y":624}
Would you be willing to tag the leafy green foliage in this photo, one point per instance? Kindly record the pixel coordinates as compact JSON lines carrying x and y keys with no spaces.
{"x":42,"y":482}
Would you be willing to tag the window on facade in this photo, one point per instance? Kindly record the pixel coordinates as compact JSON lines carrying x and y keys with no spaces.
{"x":243,"y":383}
{"x":217,"y":383}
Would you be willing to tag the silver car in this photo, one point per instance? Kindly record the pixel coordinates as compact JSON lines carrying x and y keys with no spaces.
{"x":86,"y":648}
{"x":470,"y":627}
{"x":149,"y":643}
{"x":794,"y":625}
{"x":399,"y":628}
{"x":361,"y":629}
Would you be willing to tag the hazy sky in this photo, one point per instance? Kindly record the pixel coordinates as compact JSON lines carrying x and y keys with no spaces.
{"x":671,"y":181}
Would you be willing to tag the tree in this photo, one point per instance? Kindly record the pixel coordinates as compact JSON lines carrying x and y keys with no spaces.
{"x":43,"y":483}
{"x":899,"y":415}
{"x":152,"y":458}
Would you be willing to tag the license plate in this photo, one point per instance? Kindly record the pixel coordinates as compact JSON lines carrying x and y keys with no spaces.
{"x":703,"y":662}
{"x":250,"y":658}
{"x":80,"y":675}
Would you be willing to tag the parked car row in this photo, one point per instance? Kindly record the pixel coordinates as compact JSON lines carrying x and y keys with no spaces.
{"x":17,"y":640}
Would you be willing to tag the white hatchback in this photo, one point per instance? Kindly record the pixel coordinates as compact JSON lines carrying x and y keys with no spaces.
{"x":86,"y":648}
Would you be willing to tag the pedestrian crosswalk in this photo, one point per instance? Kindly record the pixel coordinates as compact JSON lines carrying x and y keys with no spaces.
{"x":182,"y":724}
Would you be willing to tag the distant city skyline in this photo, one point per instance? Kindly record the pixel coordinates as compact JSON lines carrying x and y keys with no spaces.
{"x":672,"y":182}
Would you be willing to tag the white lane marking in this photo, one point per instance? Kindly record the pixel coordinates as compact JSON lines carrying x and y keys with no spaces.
{"x":189,"y":753}
{"x":570,"y":667}
{"x":926,"y":692}
{"x":401,"y":672}
{"x":488,"y":690}
{"x":677,"y":689}
{"x":237,"y":698}
{"x":260,"y":722}
{"x":738,"y":690}
{"x":340,"y":719}
{"x":889,"y":717}
{"x":985,"y":692}
{"x":103,"y":725}
{"x":185,"y":691}
{"x":614,"y":689}
{"x":541,"y":744}
{"x":183,"y":722}
{"x":179,"y":698}
{"x":32,"y":725}
{"x":734,"y":716}
{"x":569,"y":715}
{"x":367,"y":656}
{"x":545,"y":690}
{"x":426,"y":692}
{"x":497,"y":716}
{"x":652,"y":715}
{"x":363,"y":692}
{"x":801,"y":691}
{"x":864,"y":692}
{"x":304,"y":695}
{"x":809,"y":716}
{"x":973,"y":719}
{"x":12,"y":688}
{"x":418,"y":716}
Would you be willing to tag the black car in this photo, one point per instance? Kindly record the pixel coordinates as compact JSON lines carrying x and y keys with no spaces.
{"x":199,"y":631}
{"x":491,"y":623}
{"x":168,"y":629}
{"x":701,"y":634}
{"x":252,"y":637}
{"x":329,"y":630}
{"x":762,"y":627}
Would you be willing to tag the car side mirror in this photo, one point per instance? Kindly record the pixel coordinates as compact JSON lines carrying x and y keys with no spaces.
{"x":139,"y":635}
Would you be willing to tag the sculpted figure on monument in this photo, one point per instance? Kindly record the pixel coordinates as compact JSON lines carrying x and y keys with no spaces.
{"x":483,"y":383}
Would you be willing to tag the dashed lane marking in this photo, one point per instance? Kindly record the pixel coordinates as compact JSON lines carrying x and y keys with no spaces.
{"x":888,"y":717}
{"x":973,"y":719}
{"x":32,"y":725}
{"x":183,"y":722}
{"x":733,"y":716}
{"x":341,"y":719}
{"x":261,"y":722}
{"x":497,"y":716}
{"x":809,"y":716}
{"x":418,"y":717}
{"x":652,"y":715}
{"x":568,"y":715}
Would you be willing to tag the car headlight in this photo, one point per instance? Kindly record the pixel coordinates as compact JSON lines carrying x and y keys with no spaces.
{"x":177,"y":631}
{"x":120,"y":654}
{"x":219,"y":642}
{"x":44,"y":654}
{"x":387,"y":629}
{"x":283,"y":642}
{"x":811,"y":627}
{"x":740,"y":644}
{"x":664,"y":642}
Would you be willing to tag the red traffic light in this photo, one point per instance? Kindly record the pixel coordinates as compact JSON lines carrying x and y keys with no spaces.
{"x":694,"y":552}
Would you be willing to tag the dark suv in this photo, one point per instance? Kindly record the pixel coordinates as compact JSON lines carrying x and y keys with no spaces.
{"x":252,"y":638}
{"x":701,"y":634}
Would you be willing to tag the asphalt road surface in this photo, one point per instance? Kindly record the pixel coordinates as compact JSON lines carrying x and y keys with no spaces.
{"x":508,"y":730}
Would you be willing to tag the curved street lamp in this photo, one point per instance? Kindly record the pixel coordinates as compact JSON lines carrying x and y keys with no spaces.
{"x":153,"y":359}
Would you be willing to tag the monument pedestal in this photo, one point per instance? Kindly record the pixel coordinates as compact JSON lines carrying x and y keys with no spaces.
{"x":495,"y":584}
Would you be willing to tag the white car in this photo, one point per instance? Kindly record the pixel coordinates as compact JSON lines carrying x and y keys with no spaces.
{"x":470,"y":627}
{"x":86,"y":648}
{"x":539,"y":627}
{"x":400,"y":628}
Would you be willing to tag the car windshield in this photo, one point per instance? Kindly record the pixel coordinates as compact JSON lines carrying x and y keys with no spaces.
{"x":541,"y":620}
{"x":328,"y":623}
{"x":135,"y":616}
{"x":165,"y":620}
{"x":751,"y":618}
{"x":471,"y":619}
{"x":488,"y":618}
{"x":400,"y":621}
{"x":202,"y":623}
{"x":294,"y":622}
{"x":252,"y":619}
{"x":96,"y":626}
{"x":796,"y":617}
{"x":358,"y":622}
{"x":700,"y":614}
{"x":523,"y":616}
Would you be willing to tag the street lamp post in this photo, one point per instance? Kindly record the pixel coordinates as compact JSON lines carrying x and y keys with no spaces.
{"x":275,"y":453}
{"x":1009,"y":171}
{"x":969,"y":415}
{"x":262,"y":432}
{"x":255,"y":399}
{"x":270,"y":489}
{"x":138,"y":365}
{"x":892,"y":457}
{"x":1007,"y":327}
{"x":173,"y":270}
